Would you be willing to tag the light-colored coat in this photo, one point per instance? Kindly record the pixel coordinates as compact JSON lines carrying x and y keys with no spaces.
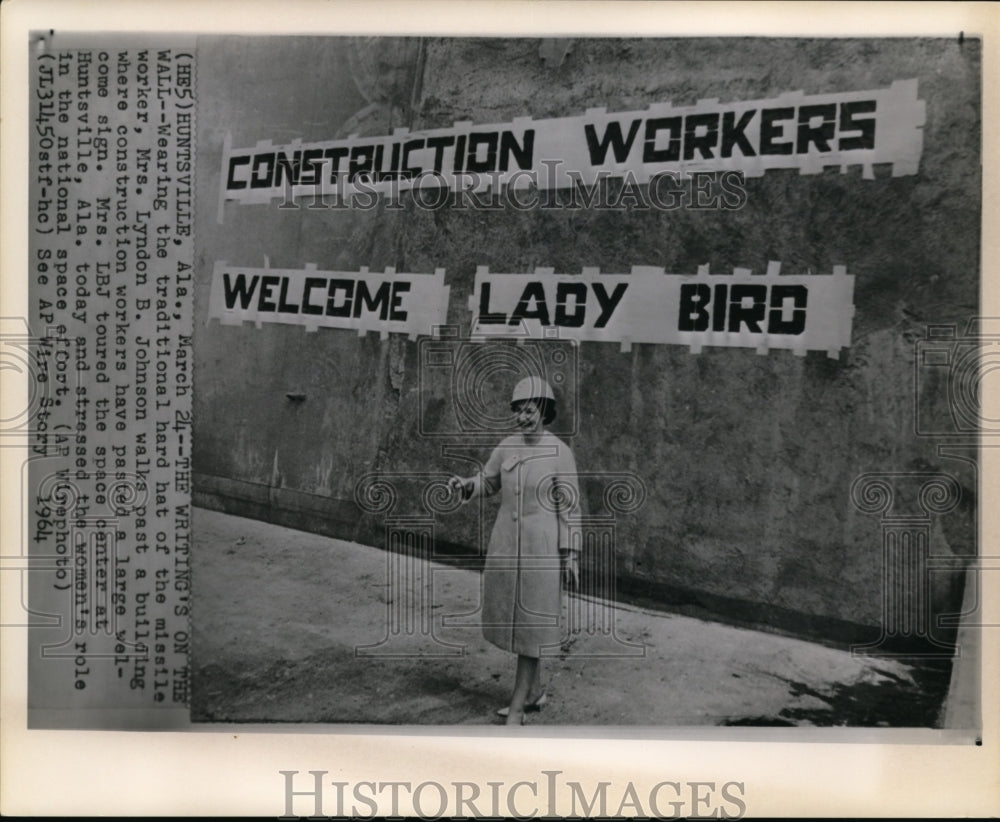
{"x":521,"y":578}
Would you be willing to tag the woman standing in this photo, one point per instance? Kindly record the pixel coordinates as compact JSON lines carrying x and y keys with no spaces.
{"x":530,"y":549}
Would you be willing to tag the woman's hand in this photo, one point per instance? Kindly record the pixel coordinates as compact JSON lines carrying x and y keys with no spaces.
{"x":571,"y":570}
{"x":458,"y":485}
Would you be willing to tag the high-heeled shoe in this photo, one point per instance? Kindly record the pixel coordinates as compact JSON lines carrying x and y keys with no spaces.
{"x":535,"y":705}
{"x":516,"y":724}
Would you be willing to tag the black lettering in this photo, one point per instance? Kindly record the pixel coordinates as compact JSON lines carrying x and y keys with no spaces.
{"x":379,"y":301}
{"x":439,"y":144}
{"x":578,"y":291}
{"x":523,"y":310}
{"x":750,"y":315}
{"x":670,"y":154}
{"x":232,"y":183}
{"x":395,"y":308}
{"x":311,"y":169}
{"x":522,"y":153}
{"x":344,"y":309}
{"x":607,"y":302}
{"x":474,"y":164}
{"x":612,"y":138}
{"x":361,"y":162}
{"x":267,"y":162}
{"x":289,"y":168}
{"x":283,"y":305}
{"x":848,"y":112}
{"x":733,"y":133}
{"x":719,"y":307}
{"x":238,"y":289}
{"x":704,"y":142}
{"x":776,"y":323}
{"x":408,"y":146}
{"x":771,"y":130}
{"x":310,"y":284}
{"x":266,"y":284}
{"x":334,"y":154}
{"x":819,"y":135}
{"x":693,"y":315}
{"x":485,"y":317}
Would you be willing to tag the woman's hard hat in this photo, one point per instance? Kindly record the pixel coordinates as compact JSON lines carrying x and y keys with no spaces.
{"x":532,"y":388}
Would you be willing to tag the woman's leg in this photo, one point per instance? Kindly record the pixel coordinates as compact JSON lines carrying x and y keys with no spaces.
{"x":535,"y":690}
{"x":526,"y":676}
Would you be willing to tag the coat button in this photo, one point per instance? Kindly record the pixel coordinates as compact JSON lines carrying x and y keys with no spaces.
{"x":513,"y":515}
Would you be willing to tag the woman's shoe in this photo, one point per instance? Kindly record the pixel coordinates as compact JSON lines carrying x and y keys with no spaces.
{"x":512,"y":721}
{"x":536,"y":705}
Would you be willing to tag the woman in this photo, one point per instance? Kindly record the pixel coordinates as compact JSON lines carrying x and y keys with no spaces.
{"x":530,"y":548}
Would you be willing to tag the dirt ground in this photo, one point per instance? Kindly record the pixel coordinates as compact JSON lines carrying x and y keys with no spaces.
{"x":281,"y":616}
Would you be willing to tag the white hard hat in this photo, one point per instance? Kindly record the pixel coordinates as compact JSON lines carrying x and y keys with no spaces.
{"x":532,"y":388}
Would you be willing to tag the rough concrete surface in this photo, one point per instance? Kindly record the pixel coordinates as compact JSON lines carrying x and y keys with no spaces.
{"x":280,"y":612}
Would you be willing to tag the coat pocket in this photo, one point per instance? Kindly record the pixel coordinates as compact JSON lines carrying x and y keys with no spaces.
{"x":511,"y":461}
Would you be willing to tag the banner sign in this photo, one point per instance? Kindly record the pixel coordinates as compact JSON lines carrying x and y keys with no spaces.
{"x":389,"y":302}
{"x":793,"y":130}
{"x":745,"y":310}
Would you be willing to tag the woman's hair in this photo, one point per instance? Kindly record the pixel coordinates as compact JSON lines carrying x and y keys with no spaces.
{"x":546,"y":407}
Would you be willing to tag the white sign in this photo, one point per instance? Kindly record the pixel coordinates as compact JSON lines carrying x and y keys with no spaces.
{"x":745,"y":310}
{"x":793,"y":130}
{"x":388,"y":302}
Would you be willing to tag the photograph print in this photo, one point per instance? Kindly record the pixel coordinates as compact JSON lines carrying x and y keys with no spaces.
{"x":617,"y":382}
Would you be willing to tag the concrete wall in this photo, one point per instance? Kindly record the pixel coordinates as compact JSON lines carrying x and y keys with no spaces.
{"x":748,"y":460}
